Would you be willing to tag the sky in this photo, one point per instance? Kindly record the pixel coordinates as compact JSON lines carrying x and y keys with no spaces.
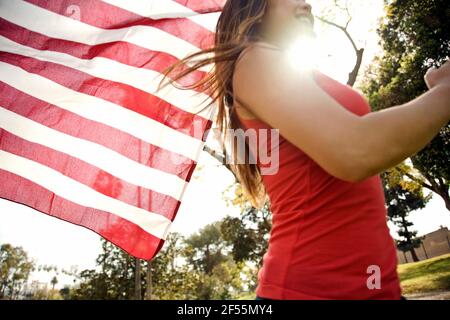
{"x":53,"y":242}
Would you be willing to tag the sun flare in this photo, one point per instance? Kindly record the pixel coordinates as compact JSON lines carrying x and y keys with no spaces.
{"x":303,"y":54}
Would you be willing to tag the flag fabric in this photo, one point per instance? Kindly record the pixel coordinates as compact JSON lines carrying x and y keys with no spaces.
{"x":84,"y":135}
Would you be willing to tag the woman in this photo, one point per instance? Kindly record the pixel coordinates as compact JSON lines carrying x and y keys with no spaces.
{"x":329,"y":237}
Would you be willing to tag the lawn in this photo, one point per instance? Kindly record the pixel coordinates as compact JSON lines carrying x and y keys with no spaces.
{"x":426,"y":276}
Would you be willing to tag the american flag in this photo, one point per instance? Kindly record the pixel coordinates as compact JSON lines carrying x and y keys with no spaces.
{"x":84,"y":135}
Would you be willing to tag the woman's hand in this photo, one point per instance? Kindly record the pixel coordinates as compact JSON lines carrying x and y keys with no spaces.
{"x":438,"y":76}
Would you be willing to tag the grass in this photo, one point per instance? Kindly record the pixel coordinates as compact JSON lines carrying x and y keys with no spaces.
{"x":425,"y":276}
{"x":246,"y":296}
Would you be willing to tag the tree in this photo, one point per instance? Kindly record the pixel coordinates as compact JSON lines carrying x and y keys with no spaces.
{"x":172,"y":277}
{"x":114,"y":276}
{"x":414,"y":36}
{"x":45,"y":294}
{"x":400,"y":203}
{"x":54,"y":282}
{"x":248,"y":234}
{"x":219,"y":276}
{"x":66,"y":293}
{"x":15,"y":268}
{"x":197,"y":267}
{"x":205,"y":249}
{"x":342,"y":6}
{"x":224,"y":281}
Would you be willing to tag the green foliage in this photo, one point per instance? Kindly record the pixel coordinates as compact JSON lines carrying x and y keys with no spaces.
{"x":199,"y":267}
{"x":113,"y":279}
{"x":15,"y":268}
{"x":172,"y":277}
{"x":45,"y":294}
{"x":205,"y":249}
{"x":247,"y":235}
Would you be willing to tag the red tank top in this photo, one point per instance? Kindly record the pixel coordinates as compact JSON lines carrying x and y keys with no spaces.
{"x":329,"y":237}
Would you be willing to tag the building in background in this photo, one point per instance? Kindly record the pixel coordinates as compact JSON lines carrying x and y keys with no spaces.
{"x":35,"y":289}
{"x":434,"y":244}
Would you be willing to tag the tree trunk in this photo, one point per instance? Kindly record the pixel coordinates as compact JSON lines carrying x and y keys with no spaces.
{"x":137,"y":280}
{"x":425,"y":251}
{"x":447,"y":202}
{"x":2,"y":289}
{"x":148,"y":294}
{"x":354,"y":74}
{"x":438,"y":187}
{"x":11,"y":296}
{"x":448,"y":241}
{"x":414,"y":255}
{"x":444,"y":195}
{"x":208,"y":268}
{"x":409,"y":240}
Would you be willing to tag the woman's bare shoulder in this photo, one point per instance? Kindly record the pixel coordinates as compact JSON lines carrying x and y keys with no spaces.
{"x":247,"y":53}
{"x":267,"y":45}
{"x":247,"y":63}
{"x":256,"y":48}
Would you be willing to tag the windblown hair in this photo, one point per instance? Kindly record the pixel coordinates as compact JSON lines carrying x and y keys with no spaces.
{"x":237,"y":27}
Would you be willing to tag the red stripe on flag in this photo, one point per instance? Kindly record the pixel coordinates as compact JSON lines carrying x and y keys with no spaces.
{"x":118,"y":93}
{"x":106,"y":16}
{"x":203,"y":6}
{"x":123,"y":52}
{"x":119,"y":231}
{"x":77,"y":126}
{"x":90,"y":176}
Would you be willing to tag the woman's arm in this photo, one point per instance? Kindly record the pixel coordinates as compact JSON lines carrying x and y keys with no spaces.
{"x":389,"y":136}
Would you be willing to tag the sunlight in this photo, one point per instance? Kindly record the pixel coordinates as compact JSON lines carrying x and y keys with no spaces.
{"x":303,"y":55}
{"x":303,"y":52}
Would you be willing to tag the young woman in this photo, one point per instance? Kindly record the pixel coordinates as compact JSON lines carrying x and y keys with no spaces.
{"x":329,"y":238}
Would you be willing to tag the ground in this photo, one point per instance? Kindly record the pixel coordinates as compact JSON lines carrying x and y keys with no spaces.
{"x":426,"y":280}
{"x":435,"y":295}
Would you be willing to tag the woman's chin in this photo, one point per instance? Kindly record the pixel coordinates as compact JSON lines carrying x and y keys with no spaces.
{"x":302,"y":33}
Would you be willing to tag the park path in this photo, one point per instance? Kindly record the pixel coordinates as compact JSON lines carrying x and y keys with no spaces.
{"x":435,"y":295}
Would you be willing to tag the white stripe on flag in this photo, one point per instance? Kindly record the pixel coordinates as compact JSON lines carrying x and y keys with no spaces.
{"x":57,"y":26}
{"x":94,"y":154}
{"x":161,"y":9}
{"x":101,"y":111}
{"x":80,"y":194}
{"x":143,"y":79}
{"x":207,"y":20}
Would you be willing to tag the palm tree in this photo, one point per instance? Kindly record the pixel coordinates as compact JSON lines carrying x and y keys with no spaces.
{"x":54,"y":282}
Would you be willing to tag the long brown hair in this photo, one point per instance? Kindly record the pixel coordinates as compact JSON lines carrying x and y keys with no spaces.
{"x":237,"y":27}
